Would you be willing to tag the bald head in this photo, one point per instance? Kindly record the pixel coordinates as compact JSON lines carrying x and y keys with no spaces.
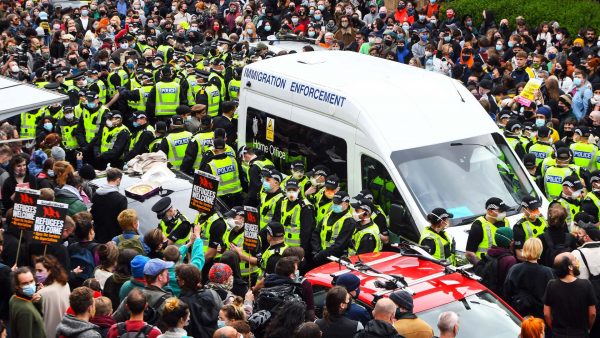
{"x":566,"y":264}
{"x":226,"y":332}
{"x":384,"y":310}
{"x":595,"y":116}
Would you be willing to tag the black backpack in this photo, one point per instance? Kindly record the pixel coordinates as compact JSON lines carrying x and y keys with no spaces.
{"x":273,"y":298}
{"x":84,"y":258}
{"x":594,"y":279}
{"x":556,"y":249}
{"x":487,"y":269}
{"x":151,"y":314}
{"x":144,"y":332}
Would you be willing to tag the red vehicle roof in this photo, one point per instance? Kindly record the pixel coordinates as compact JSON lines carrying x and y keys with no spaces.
{"x":431,"y":285}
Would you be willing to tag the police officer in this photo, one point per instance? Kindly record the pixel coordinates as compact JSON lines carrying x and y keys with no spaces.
{"x":532,"y":224}
{"x":503,"y":116}
{"x":175,"y":142}
{"x":233,"y":89}
{"x":226,"y":168}
{"x":160,"y":131}
{"x":66,"y":127}
{"x":31,"y":119}
{"x":143,"y":135}
{"x":208,"y":93}
{"x":585,"y":154}
{"x":366,"y":235}
{"x":543,"y":147}
{"x":512,"y":132}
{"x":165,"y":96}
{"x":591,"y":202}
{"x":234,"y":240}
{"x":136,"y":99}
{"x":297,"y":173}
{"x":316,"y":177}
{"x":114,"y":141}
{"x":212,"y":229}
{"x":378,"y":216}
{"x":323,"y":199}
{"x":167,"y":50}
{"x":80,"y":85}
{"x":198,"y":146}
{"x":571,"y":196}
{"x":97,"y":85}
{"x":118,"y":77}
{"x":297,"y":216}
{"x":217,"y":77}
{"x":554,"y":175}
{"x":481,"y":235}
{"x":435,"y":239}
{"x":275,"y":237}
{"x":252,"y":164}
{"x":92,"y":116}
{"x":220,"y":133}
{"x":271,"y":196}
{"x":533,"y":170}
{"x":333,"y":235}
{"x":174,"y":225}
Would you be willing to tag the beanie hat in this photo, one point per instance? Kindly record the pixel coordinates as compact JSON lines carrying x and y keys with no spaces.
{"x":58,"y":153}
{"x":219,"y":273}
{"x":503,"y":237}
{"x":403,"y":299}
{"x":87,"y":172}
{"x":566,"y":99}
{"x":137,"y":266}
{"x":349,"y":281}
{"x":545,"y":110}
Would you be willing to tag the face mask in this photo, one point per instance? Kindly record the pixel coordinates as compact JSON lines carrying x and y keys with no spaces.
{"x":135,"y":124}
{"x":424,"y":38}
{"x":84,"y":12}
{"x":266,"y":186}
{"x":321,"y":7}
{"x":109,"y":123}
{"x":551,"y":56}
{"x":433,"y":21}
{"x":220,"y":323}
{"x":48,"y":126}
{"x":382,"y":15}
{"x":91,"y":105}
{"x":267,"y":28}
{"x":292,"y":195}
{"x":469,"y":23}
{"x":29,"y":289}
{"x":499,"y":47}
{"x":14,"y":69}
{"x":597,"y":97}
{"x":356,"y":216}
{"x":421,"y":17}
{"x":534,"y":215}
{"x":337,"y":208}
{"x":540,"y":122}
{"x":428,"y":54}
{"x":577,"y":194}
{"x":317,"y":17}
{"x":388,"y":42}
{"x":51,"y":173}
{"x":249,"y":31}
{"x":405,"y":27}
{"x":466,"y":57}
{"x":511,"y":44}
{"x":124,"y":45}
{"x":501,"y":216}
{"x":311,"y":12}
{"x":130,"y":65}
{"x":577,"y":81}
{"x":314,"y":182}
{"x":69,"y":116}
{"x":41,"y":277}
{"x":232,"y":224}
{"x":295,"y":21}
{"x":559,"y":37}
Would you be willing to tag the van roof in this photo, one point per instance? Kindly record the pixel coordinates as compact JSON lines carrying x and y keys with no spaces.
{"x":403,"y":106}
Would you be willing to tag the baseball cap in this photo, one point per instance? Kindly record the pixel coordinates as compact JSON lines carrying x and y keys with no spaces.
{"x":349,"y":281}
{"x":275,"y":229}
{"x":363,"y":204}
{"x":332,"y":182}
{"x":496,"y":204}
{"x":271,"y":172}
{"x":176,"y":120}
{"x":341,"y":196}
{"x":441,"y":213}
{"x":563,"y":153}
{"x":529,"y":161}
{"x":155,"y":266}
{"x":592,"y":231}
{"x":513,"y":124}
{"x":43,"y":16}
{"x":544,"y":131}
{"x":364,"y":194}
{"x":582,"y":130}
{"x":573,"y":182}
{"x":292,"y":183}
{"x":595,"y":176}
{"x":137,"y":266}
{"x":531,"y":203}
{"x":235,"y":211}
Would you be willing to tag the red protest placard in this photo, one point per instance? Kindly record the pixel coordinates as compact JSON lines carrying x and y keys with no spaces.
{"x":49,"y":222}
{"x":251,"y":228}
{"x":204,"y":192}
{"x":25,"y":208}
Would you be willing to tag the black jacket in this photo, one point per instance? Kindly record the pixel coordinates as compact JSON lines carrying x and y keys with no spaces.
{"x":377,"y":328}
{"x":107,"y":203}
{"x":204,"y":311}
{"x":9,"y":187}
{"x":338,"y":327}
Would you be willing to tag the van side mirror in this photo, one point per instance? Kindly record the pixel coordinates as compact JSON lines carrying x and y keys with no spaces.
{"x":401,"y":224}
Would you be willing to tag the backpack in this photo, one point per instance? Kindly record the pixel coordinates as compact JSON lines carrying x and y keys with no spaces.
{"x":555,"y":250}
{"x":487,"y":269}
{"x":123,"y":333}
{"x":526,"y":304}
{"x":84,"y":258}
{"x":273,"y":298}
{"x":130,"y":243}
{"x":151,"y":314}
{"x":594,"y":279}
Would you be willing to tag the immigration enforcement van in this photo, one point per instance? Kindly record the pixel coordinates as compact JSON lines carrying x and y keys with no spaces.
{"x":416,"y":139}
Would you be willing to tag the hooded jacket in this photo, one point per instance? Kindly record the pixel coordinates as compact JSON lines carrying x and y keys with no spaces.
{"x":204,"y":311}
{"x":73,"y":327}
{"x":378,"y":328}
{"x":67,"y":195}
{"x":107,"y":203}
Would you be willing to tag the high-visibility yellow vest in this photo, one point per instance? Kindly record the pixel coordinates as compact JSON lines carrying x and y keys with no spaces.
{"x":592,"y":197}
{"x":585,"y":155}
{"x":139,"y":133}
{"x":330,"y":232}
{"x":291,"y":221}
{"x":359,"y":234}
{"x":167,"y":98}
{"x":227,"y":171}
{"x":234,"y":89}
{"x":205,"y":231}
{"x":214,"y":98}
{"x":177,"y":144}
{"x":221,"y":83}
{"x":140,"y":105}
{"x":178,"y":222}
{"x":68,"y":140}
{"x":164,"y":49}
{"x":91,"y":122}
{"x":245,"y":267}
{"x":531,"y":230}
{"x":541,"y":151}
{"x":193,"y":88}
{"x":489,"y":230}
{"x":267,"y":207}
{"x":110,"y":136}
{"x":270,"y":252}
{"x":444,"y":246}
{"x":323,"y":209}
{"x":123,"y":80}
{"x":29,"y":123}
{"x":103,"y":91}
{"x":571,"y":209}
{"x":553,"y":180}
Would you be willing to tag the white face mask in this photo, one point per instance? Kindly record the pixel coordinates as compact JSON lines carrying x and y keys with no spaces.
{"x":297,"y":175}
{"x":292,"y":195}
{"x":356,"y":216}
{"x":232,"y":224}
{"x":69,"y":116}
{"x":109,"y":123}
{"x":313,"y":182}
{"x":577,"y":194}
{"x":501,"y":216}
{"x":14,"y":69}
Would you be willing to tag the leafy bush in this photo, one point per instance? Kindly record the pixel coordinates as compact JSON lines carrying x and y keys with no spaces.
{"x":570,"y":14}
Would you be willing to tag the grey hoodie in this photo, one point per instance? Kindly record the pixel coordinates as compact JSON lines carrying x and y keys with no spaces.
{"x":73,"y":327}
{"x":106,"y":189}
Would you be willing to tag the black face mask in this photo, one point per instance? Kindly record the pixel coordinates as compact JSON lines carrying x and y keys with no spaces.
{"x":576,"y":49}
{"x":569,"y":133}
{"x":388,"y":42}
{"x":466,"y":57}
{"x":73,"y":62}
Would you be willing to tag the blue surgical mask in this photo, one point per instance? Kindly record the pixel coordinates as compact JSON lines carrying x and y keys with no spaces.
{"x":266,"y":186}
{"x":577,"y":82}
{"x":424,"y":38}
{"x":311,"y":33}
{"x":552,"y":56}
{"x":447,"y":38}
{"x":220,"y":323}
{"x":498,"y":47}
{"x":267,"y":28}
{"x":91,"y":105}
{"x":51,"y":173}
{"x":130,"y":65}
{"x":48,"y":126}
{"x":135,"y":124}
{"x":321,"y":7}
{"x":337,"y":208}
{"x":511,"y":44}
{"x":317,"y":17}
{"x":540,"y":122}
{"x":29,"y":289}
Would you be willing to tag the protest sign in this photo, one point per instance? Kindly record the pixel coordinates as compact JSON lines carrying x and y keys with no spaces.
{"x":251,"y":228}
{"x":49,"y":221}
{"x":204,"y":192}
{"x":25,"y":208}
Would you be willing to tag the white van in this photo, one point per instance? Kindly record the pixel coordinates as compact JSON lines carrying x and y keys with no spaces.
{"x":418,"y":140}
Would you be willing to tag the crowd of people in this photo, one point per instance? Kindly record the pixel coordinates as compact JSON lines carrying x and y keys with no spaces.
{"x":164,"y":77}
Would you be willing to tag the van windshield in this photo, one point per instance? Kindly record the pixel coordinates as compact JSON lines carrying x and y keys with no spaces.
{"x":460,"y":176}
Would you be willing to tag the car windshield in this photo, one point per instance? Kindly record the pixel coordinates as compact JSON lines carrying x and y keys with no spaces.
{"x":481,"y":315}
{"x":460,"y":176}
